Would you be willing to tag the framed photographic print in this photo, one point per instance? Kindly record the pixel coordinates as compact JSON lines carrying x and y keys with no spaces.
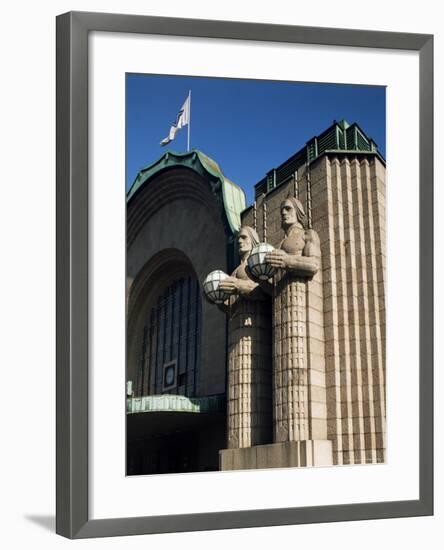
{"x":244,"y":275}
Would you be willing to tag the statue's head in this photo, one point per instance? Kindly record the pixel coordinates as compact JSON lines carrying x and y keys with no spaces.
{"x":246,"y":239}
{"x":292,"y":212}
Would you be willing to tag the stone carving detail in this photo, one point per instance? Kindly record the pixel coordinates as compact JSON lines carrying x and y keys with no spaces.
{"x":249,"y":375}
{"x":339,"y":345}
{"x":249,"y":393}
{"x":297,"y":260}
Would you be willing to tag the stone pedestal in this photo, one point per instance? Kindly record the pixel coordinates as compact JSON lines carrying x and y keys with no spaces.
{"x":278,"y":455}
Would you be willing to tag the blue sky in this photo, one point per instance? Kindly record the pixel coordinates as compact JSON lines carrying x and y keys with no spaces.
{"x":247,"y":126}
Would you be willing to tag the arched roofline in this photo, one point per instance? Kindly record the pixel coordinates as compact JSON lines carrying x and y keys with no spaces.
{"x":231,"y":195}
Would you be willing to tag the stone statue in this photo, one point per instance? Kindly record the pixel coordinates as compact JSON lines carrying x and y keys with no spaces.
{"x":240,"y":282}
{"x":249,"y":388}
{"x":299,"y":251}
{"x":297,"y":260}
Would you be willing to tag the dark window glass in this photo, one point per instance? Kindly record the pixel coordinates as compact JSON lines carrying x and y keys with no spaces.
{"x":172,"y":333}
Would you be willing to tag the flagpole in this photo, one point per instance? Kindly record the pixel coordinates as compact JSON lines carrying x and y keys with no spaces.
{"x":189,"y":121}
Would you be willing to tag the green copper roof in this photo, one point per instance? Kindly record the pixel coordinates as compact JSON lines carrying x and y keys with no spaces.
{"x":232,"y":196}
{"x":340,"y":137}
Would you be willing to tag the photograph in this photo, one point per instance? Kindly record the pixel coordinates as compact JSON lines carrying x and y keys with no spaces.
{"x":255,"y":274}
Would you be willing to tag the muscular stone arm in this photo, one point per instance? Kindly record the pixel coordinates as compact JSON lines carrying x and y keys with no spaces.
{"x":246,"y":288}
{"x":312,"y":244}
{"x":234,"y":285}
{"x":303,"y":265}
{"x":306,"y":264}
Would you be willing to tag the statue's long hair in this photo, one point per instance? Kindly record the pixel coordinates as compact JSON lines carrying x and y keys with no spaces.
{"x":252,"y":233}
{"x":300,"y":212}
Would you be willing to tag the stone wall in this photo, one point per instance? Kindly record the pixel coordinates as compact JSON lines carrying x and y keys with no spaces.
{"x":348,"y":206}
{"x":175,"y":222}
{"x":345,"y":300}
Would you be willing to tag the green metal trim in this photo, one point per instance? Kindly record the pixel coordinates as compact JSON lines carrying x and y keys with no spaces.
{"x":175,"y":403}
{"x":343,"y":124}
{"x":234,"y":203}
{"x":233,"y":196}
{"x":315,"y":148}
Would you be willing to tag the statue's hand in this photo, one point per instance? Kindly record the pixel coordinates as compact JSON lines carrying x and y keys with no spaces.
{"x":277,"y":258}
{"x":229,"y":285}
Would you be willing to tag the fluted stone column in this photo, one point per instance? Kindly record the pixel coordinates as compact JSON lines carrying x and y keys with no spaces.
{"x":249,"y":396}
{"x":291,"y":413}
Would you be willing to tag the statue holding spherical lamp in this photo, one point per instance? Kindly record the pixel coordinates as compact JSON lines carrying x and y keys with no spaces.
{"x":296,"y":260}
{"x":249,"y":386}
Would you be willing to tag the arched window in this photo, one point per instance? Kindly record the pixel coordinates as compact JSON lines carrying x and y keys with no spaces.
{"x":170,"y":347}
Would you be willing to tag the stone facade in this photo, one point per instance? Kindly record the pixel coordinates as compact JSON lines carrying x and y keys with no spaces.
{"x":162,"y":244}
{"x":299,"y":413}
{"x":345,"y":301}
{"x":298,"y":360}
{"x":179,"y":225}
{"x":348,"y":197}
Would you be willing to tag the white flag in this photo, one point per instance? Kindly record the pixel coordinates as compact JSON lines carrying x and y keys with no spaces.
{"x":182,"y":119}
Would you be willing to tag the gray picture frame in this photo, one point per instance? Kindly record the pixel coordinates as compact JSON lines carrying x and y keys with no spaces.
{"x":72,"y":517}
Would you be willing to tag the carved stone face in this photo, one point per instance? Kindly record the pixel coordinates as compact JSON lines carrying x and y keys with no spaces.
{"x":244,"y":243}
{"x":288,"y":213}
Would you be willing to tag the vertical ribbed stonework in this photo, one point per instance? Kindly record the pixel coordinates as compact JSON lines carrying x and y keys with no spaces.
{"x":349,"y":319}
{"x":290,"y":377}
{"x":249,"y":396}
{"x":348,"y":204}
{"x":374,"y":201}
{"x":365,"y":443}
{"x":317,"y":397}
{"x":324,"y":213}
{"x":339,"y":376}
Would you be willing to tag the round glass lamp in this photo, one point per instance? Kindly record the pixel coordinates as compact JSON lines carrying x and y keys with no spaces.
{"x":256,"y":262}
{"x":211,"y":287}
